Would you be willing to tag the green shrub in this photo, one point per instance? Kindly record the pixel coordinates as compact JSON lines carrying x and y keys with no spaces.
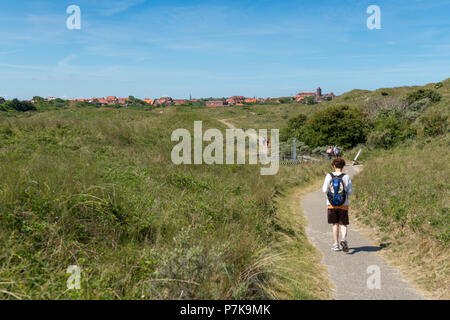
{"x":434,"y":124}
{"x":421,"y":94}
{"x":389,"y":127}
{"x":380,"y":139}
{"x":420,"y":105}
{"x":411,"y":116}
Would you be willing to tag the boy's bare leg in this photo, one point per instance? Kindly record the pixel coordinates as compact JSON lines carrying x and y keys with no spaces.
{"x":343,"y":232}
{"x":336,"y":232}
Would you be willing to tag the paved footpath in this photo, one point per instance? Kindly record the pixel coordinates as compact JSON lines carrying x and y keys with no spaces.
{"x":349,"y":271}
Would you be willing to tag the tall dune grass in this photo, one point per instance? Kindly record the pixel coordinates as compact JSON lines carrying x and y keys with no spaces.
{"x":96,"y":188}
{"x":403,"y":194}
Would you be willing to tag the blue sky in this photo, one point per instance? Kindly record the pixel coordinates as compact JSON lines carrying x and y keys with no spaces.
{"x":263,"y":48}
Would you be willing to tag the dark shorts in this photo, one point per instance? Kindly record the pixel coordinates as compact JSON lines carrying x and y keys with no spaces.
{"x":338,"y":216}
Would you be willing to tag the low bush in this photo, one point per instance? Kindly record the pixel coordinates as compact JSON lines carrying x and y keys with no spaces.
{"x":422,"y":94}
{"x":433,"y":124}
{"x":389,"y":128}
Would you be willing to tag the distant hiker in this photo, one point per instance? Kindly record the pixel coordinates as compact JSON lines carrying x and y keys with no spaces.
{"x":329,"y":153}
{"x":336,"y":151}
{"x":338,"y":186}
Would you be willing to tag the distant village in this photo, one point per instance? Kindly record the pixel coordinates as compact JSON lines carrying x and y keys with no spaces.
{"x":301,"y":97}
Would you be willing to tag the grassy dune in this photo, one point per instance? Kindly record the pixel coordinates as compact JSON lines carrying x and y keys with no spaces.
{"x":96,"y":188}
{"x":403,"y":197}
{"x":402,"y":200}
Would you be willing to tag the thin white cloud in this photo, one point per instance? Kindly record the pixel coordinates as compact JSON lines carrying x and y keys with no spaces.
{"x":65,"y":61}
{"x":21,"y":66}
{"x":119,"y":6}
{"x":8,"y":52}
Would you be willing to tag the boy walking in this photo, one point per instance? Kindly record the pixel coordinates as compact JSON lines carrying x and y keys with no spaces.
{"x":338,"y":186}
{"x":336,"y":151}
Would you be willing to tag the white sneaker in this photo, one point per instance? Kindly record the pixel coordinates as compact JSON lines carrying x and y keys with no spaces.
{"x":336,"y":247}
{"x":344,"y":245}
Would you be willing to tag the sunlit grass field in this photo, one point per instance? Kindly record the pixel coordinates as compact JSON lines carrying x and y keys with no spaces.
{"x":96,"y":188}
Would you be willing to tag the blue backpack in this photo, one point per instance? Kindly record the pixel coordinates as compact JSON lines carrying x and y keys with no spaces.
{"x":336,"y":191}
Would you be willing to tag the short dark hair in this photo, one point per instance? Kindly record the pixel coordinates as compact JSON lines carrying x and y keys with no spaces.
{"x":338,"y":163}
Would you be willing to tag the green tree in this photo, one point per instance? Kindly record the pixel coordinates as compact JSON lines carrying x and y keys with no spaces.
{"x":135,"y":102}
{"x":342,"y":125}
{"x":285,"y":100}
{"x":18,"y":105}
{"x":293,"y":129}
{"x":297,"y":122}
{"x":310,"y":100}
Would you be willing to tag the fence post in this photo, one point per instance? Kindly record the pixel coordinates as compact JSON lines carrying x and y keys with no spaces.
{"x":294,"y":150}
{"x":355,"y":161}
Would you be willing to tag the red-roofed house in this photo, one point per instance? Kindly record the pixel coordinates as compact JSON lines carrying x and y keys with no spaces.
{"x":235,"y":100}
{"x":78,"y":100}
{"x":122,"y":100}
{"x":218,"y":103}
{"x":150,"y":101}
{"x":101,"y":101}
{"x":165,"y":100}
{"x":180,"y":102}
{"x":306,"y":94}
